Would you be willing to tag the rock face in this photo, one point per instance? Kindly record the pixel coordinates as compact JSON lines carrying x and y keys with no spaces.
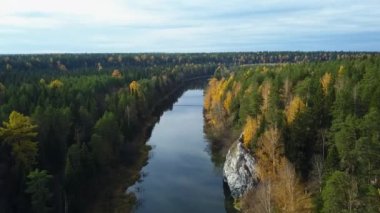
{"x":239,"y":170}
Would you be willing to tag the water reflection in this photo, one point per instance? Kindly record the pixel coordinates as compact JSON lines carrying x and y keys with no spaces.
{"x":180,"y":177}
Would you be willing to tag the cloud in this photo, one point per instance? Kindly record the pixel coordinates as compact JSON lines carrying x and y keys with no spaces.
{"x":187,"y":26}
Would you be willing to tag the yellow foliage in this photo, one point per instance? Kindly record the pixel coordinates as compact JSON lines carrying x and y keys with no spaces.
{"x":279,"y":187}
{"x":207,"y":100}
{"x":236,"y":88}
{"x":264,"y":70}
{"x":340,"y":79}
{"x":287,"y":91}
{"x":249,"y":90}
{"x":222,"y":85}
{"x":228,"y":102}
{"x":116,"y":73}
{"x":218,"y":101}
{"x":265,"y":92}
{"x":210,"y":93}
{"x":134,"y":88}
{"x":19,"y":134}
{"x":215,"y":116}
{"x":289,"y":194}
{"x":268,"y":154}
{"x":296,"y":106}
{"x":55,"y":84}
{"x":341,"y":71}
{"x":62,"y":67}
{"x":325,"y":81}
{"x":213,"y":102}
{"x":215,"y":92}
{"x":249,"y":131}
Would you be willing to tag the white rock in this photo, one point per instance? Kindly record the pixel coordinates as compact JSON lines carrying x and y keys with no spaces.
{"x":239,"y":170}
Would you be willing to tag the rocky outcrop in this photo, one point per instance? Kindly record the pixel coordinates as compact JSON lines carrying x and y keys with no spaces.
{"x":239,"y":170}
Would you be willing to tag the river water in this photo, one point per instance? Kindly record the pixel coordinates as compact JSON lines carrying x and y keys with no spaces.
{"x":180,"y":176}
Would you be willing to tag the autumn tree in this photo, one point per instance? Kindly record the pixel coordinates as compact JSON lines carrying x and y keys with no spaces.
{"x":19,"y":133}
{"x":228,"y":102}
{"x":210,"y":93}
{"x":286,"y":92}
{"x":55,"y":84}
{"x":289,"y":194}
{"x":260,"y":199}
{"x":265,"y":93}
{"x":296,"y":106}
{"x":135,"y":88}
{"x":217,"y":108}
{"x":325,"y":82}
{"x":249,"y":131}
{"x":116,"y":73}
{"x":306,"y":112}
{"x":62,"y":67}
{"x":279,"y":187}
{"x":269,"y":151}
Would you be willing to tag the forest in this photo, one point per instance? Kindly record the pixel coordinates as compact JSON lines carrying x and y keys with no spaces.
{"x":67,"y":118}
{"x":312,"y":127}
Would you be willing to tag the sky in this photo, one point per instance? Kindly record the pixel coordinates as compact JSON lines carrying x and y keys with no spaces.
{"x":89,"y":26}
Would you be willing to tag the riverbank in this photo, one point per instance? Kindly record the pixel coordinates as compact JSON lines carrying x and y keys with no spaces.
{"x":107,"y":193}
{"x":219,"y":145}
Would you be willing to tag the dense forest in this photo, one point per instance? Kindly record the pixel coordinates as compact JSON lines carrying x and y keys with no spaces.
{"x":312,"y":127}
{"x":65,"y":122}
{"x":69,"y":117}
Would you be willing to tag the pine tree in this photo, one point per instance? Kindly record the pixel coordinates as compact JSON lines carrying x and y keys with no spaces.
{"x":38,"y":188}
{"x":340,"y":193}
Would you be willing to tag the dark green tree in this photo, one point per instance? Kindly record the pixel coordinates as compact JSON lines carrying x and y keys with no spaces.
{"x":38,"y":187}
{"x":345,"y":140}
{"x":54,"y":128}
{"x":106,"y":140}
{"x":340,"y":194}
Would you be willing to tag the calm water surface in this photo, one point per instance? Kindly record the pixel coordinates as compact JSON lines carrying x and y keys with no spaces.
{"x":180,"y":176}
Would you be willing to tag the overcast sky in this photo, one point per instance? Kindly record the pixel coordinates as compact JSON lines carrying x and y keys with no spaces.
{"x":45,"y":26}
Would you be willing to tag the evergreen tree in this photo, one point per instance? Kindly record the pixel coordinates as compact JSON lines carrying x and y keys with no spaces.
{"x":339,"y":194}
{"x":106,"y":140}
{"x":38,"y":188}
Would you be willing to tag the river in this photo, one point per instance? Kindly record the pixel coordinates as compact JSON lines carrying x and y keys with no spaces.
{"x":180,"y":176}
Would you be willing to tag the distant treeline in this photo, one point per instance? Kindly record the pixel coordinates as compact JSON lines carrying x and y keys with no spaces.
{"x":91,"y":62}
